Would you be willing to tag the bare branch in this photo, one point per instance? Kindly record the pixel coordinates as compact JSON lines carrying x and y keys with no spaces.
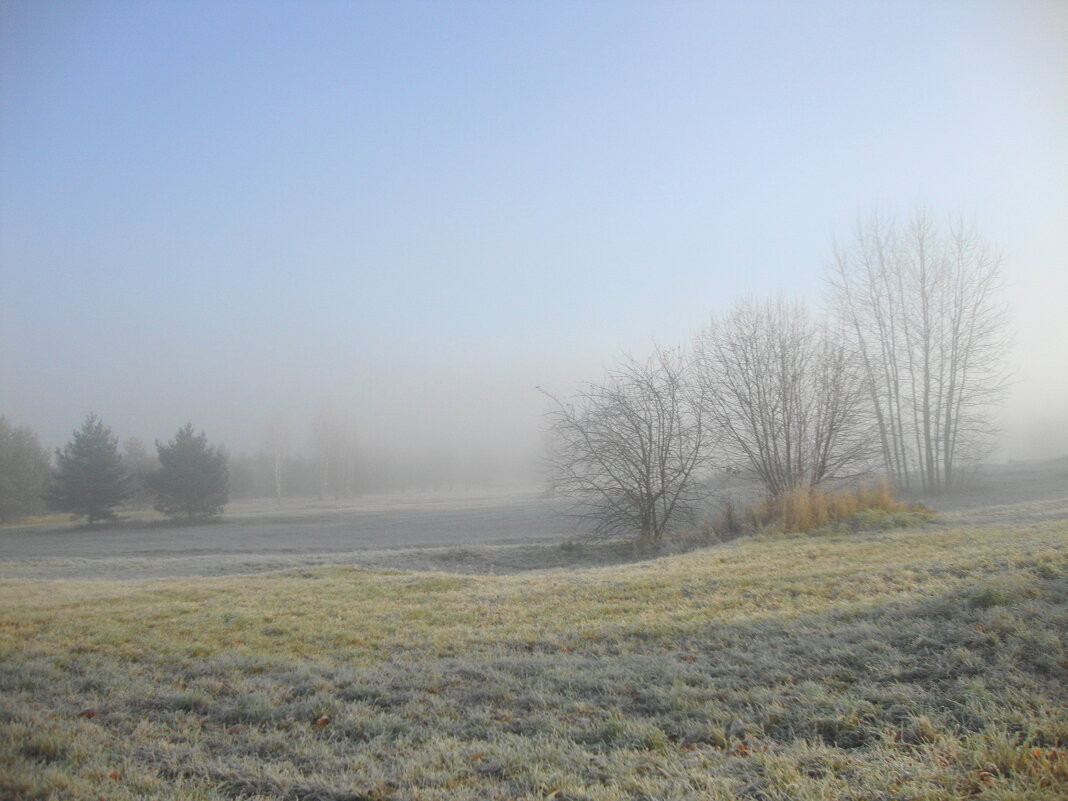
{"x":629,"y":451}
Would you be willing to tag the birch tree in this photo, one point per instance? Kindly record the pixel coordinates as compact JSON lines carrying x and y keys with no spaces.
{"x":333,"y":443}
{"x":276,"y":446}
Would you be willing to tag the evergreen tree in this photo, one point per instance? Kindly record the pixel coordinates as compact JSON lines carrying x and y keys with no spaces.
{"x":89,"y":479}
{"x":23,"y":472}
{"x":193,"y":480}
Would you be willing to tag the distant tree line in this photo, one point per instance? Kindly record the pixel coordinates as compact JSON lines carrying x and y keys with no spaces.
{"x":91,"y":478}
{"x":902,"y":378}
{"x":330,"y":462}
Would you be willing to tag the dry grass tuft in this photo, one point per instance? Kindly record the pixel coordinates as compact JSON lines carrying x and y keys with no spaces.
{"x":807,"y":508}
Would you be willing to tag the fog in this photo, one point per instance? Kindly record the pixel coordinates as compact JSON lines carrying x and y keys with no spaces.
{"x":409,"y":218}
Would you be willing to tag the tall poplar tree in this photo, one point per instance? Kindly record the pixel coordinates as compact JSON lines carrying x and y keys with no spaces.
{"x":924,"y":310}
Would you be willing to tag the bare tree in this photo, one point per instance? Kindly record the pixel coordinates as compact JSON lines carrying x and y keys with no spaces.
{"x":922,"y":310}
{"x":333,"y":443}
{"x":276,"y":446}
{"x":629,"y":451}
{"x":787,"y":396}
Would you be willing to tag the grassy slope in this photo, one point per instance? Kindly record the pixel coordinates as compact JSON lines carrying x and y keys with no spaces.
{"x":924,"y":663}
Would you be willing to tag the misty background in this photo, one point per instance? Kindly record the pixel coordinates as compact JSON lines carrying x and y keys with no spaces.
{"x":408,"y":216}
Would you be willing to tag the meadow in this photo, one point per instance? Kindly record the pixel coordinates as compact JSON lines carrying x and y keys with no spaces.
{"x":918,"y":662}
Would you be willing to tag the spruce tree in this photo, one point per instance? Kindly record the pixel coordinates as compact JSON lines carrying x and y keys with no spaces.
{"x":193,"y":480}
{"x":89,"y":479}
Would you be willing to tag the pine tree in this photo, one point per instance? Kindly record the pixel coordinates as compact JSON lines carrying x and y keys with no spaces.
{"x":193,"y":480}
{"x":89,"y":479}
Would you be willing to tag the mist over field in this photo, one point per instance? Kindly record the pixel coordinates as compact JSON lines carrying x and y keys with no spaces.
{"x":413,"y":215}
{"x":591,"y":401}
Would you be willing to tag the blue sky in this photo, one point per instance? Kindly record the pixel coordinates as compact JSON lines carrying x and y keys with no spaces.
{"x":417,"y":212}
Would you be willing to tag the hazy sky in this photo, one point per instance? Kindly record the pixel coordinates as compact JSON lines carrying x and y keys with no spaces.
{"x":416,"y":212}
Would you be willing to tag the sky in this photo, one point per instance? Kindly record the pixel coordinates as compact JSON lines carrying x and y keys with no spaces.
{"x":418,"y":212}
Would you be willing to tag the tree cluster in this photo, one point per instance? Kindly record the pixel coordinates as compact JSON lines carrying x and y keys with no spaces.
{"x":327,"y":462}
{"x":91,"y":477}
{"x":901,"y":379}
{"x":922,"y":311}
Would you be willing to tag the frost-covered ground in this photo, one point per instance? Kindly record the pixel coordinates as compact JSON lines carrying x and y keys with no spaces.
{"x":924,"y":663}
{"x":256,"y":536}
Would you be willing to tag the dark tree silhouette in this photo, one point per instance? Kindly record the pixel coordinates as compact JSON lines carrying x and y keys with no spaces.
{"x":89,"y":479}
{"x":193,"y":480}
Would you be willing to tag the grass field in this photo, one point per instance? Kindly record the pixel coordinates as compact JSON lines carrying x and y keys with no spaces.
{"x":917,"y":663}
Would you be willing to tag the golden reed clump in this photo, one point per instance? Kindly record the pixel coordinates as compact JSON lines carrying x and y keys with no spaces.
{"x":805,"y":508}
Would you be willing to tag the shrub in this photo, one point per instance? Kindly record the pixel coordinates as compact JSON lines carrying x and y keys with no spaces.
{"x":806,"y":508}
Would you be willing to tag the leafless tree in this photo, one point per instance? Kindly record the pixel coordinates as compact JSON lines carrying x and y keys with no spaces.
{"x":923,"y":312}
{"x":333,"y":443}
{"x":629,"y":451}
{"x":787,"y":395}
{"x":276,"y":445}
